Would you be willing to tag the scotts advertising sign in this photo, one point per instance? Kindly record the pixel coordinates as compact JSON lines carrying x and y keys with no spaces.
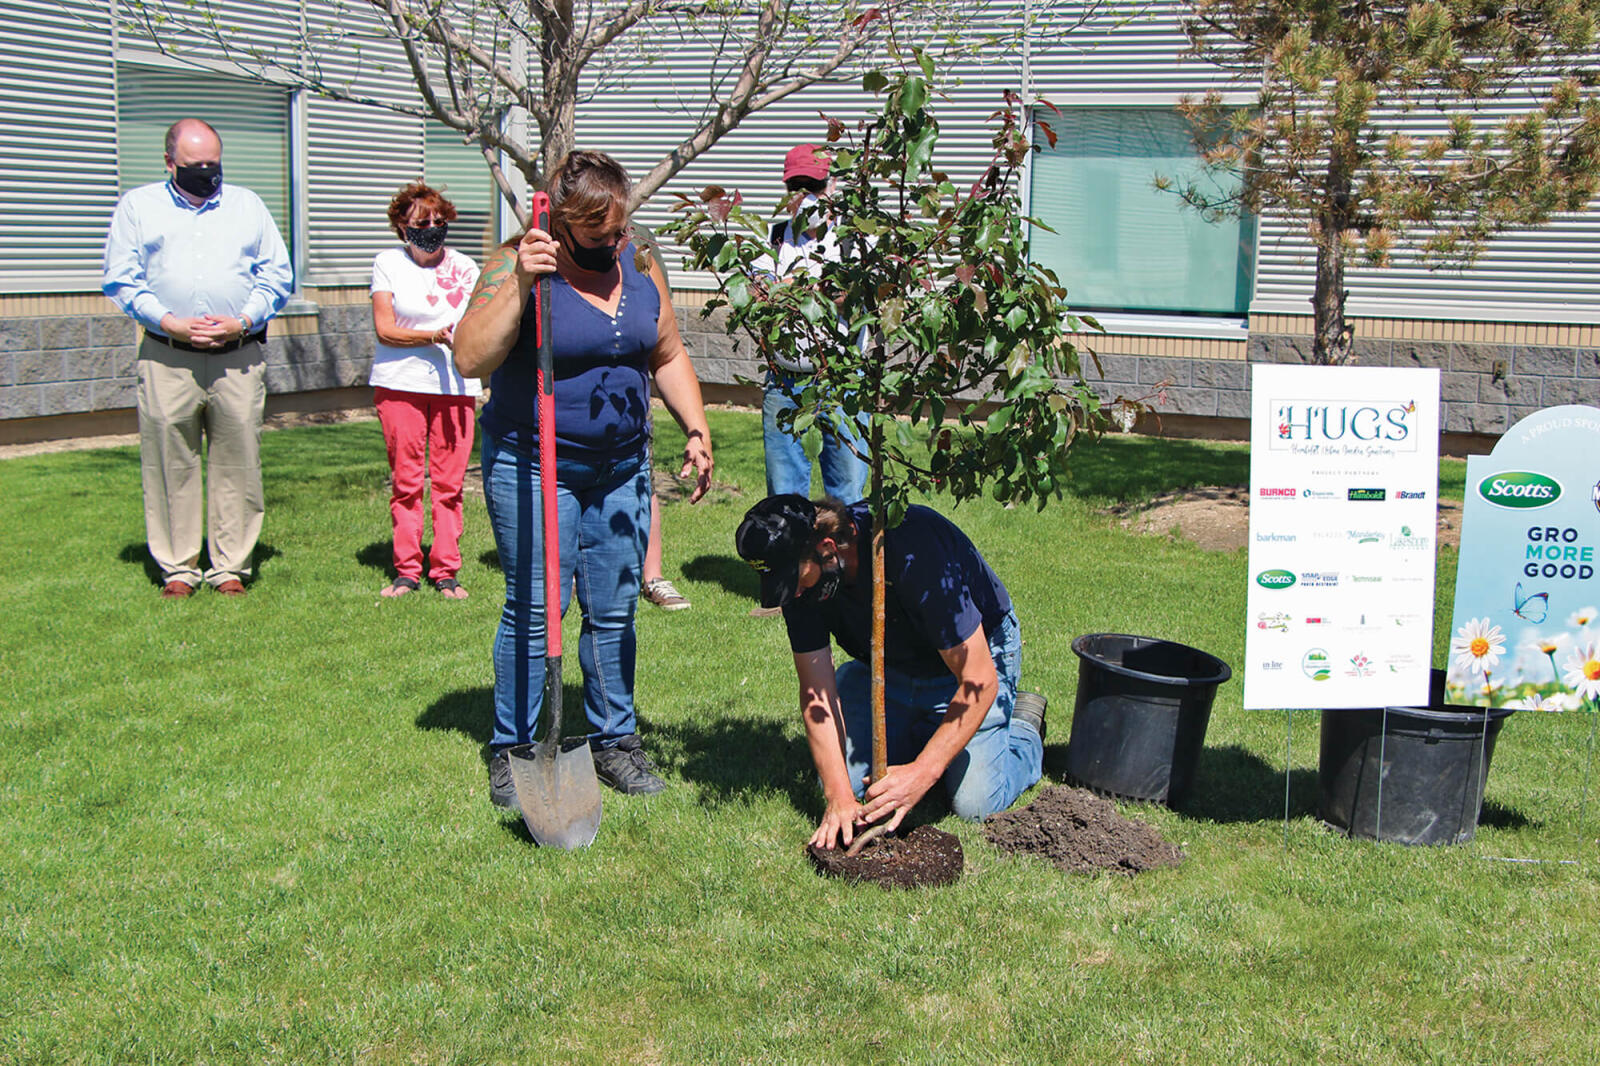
{"x":1344,"y":474}
{"x":1525,"y":631}
{"x":1521,"y":489}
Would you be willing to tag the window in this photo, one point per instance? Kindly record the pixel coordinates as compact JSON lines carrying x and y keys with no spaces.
{"x":458,"y":170}
{"x":252,"y":119}
{"x":1120,"y":243}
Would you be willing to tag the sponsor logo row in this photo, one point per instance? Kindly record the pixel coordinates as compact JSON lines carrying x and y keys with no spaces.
{"x":1360,"y":494}
{"x":1401,"y":540}
{"x":1319,"y":664}
{"x":1512,"y":489}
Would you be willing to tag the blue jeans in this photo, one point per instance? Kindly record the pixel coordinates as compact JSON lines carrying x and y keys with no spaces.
{"x":997,"y":765}
{"x":788,"y":469}
{"x":604,"y":516}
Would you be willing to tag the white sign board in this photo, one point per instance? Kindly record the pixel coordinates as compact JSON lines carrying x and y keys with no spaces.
{"x":1344,"y":475}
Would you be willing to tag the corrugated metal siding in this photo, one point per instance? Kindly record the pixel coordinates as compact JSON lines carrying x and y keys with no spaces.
{"x":357,"y":158}
{"x":58,"y":151}
{"x":1526,"y":275}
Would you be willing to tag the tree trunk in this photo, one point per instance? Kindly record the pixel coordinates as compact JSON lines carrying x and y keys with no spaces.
{"x":1330,"y":343}
{"x":557,"y":63}
{"x":880,"y":724}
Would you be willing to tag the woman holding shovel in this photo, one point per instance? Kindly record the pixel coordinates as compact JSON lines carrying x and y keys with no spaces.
{"x":612,"y":328}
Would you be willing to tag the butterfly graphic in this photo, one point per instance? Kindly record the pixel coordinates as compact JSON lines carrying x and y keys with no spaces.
{"x":1532,"y":608}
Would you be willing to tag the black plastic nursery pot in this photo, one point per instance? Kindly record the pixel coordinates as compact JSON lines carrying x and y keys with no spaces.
{"x":1413,"y":775}
{"x":1141,"y":715}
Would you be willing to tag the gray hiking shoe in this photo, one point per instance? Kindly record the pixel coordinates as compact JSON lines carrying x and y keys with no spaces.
{"x":627,"y":768}
{"x":664,"y":594}
{"x":1030,"y":708}
{"x":502,"y":787}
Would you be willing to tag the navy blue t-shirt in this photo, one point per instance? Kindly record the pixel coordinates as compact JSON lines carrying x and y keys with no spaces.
{"x":602,"y":367}
{"x":939,"y":590}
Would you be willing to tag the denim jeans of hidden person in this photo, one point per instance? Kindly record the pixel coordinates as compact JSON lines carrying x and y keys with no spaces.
{"x":997,"y":765}
{"x":788,"y":468}
{"x":604,"y":509}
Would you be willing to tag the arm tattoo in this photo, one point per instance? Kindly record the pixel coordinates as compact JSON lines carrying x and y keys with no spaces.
{"x":490,"y":280}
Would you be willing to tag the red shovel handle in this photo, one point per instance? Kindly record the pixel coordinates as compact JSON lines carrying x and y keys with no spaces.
{"x":546,"y":383}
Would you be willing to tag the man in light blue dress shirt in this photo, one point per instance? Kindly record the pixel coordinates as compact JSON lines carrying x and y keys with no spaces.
{"x":200,"y":265}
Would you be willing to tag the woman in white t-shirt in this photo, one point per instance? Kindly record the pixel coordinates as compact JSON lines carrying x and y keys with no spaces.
{"x":419,"y":293}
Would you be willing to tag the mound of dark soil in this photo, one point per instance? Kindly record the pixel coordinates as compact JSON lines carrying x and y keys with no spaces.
{"x":922,"y":858}
{"x":1079,"y":832}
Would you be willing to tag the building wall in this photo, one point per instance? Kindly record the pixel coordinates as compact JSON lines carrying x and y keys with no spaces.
{"x":1514,"y":334}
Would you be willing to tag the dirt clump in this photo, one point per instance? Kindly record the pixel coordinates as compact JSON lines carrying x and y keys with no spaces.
{"x":923,"y":858}
{"x":1079,"y":832}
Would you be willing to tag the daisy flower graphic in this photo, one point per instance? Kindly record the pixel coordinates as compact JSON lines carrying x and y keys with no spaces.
{"x":1582,"y":617}
{"x":1477,"y":645}
{"x":1583,"y":670}
{"x":1536,"y":702}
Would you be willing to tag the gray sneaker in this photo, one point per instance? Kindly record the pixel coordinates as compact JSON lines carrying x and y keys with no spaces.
{"x":502,"y":786}
{"x":664,"y":594}
{"x":627,"y":768}
{"x":1030,"y":708}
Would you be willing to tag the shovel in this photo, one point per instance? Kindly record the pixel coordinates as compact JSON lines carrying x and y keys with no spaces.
{"x":557,"y":790}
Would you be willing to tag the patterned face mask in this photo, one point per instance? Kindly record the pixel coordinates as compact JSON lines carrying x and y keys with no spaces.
{"x":427,"y":238}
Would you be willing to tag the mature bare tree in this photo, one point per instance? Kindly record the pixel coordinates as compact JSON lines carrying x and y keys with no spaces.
{"x":1340,"y":84}
{"x":476,"y":62}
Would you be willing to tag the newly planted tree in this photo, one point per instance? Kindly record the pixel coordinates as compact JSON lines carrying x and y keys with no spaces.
{"x":933,"y":328}
{"x":1381,"y":124}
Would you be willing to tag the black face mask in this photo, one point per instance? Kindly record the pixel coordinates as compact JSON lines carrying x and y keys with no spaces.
{"x":198,"y":179}
{"x":427,"y":238}
{"x":827,"y":586}
{"x":598,"y":260}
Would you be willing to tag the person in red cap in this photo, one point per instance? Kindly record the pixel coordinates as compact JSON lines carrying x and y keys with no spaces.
{"x":801,"y":243}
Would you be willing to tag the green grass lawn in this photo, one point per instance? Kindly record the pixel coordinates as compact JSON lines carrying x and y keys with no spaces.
{"x":258,"y":831}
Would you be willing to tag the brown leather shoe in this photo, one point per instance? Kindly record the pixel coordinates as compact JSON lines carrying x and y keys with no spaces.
{"x":231,"y":587}
{"x":176,"y":590}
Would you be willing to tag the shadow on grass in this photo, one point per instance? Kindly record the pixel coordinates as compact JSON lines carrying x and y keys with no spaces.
{"x":137,"y":553}
{"x":470,"y":712}
{"x":732,"y":573}
{"x":1233,"y":784}
{"x":1500,"y":816}
{"x":490,"y":559}
{"x":728,"y":758}
{"x":379,"y":556}
{"x":1122,"y":468}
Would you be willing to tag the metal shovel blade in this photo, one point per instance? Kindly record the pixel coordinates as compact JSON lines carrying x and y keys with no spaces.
{"x":558,"y":793}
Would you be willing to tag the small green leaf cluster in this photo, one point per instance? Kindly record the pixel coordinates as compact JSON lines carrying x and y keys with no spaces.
{"x":933,"y":328}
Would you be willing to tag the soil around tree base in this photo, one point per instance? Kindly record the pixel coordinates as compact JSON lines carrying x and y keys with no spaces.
{"x":923,"y":858}
{"x":1079,"y":832}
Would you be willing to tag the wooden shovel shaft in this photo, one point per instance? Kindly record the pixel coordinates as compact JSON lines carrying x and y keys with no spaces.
{"x":550,"y":521}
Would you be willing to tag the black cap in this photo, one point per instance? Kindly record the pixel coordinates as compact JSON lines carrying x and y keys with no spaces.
{"x":774,"y":537}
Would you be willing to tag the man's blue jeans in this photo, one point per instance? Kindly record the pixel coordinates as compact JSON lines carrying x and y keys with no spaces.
{"x":788,"y":469}
{"x":604,"y":510}
{"x":997,"y":765}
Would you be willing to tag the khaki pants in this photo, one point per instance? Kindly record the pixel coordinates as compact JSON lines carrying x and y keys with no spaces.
{"x":182,"y":394}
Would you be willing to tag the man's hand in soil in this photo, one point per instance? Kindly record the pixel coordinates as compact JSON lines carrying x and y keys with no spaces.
{"x":838,"y":826}
{"x":899,"y":791}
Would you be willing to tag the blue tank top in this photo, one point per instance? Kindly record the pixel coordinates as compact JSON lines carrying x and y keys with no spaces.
{"x":602,"y":367}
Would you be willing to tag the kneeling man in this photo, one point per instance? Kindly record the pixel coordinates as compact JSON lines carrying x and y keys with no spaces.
{"x":951,"y":660}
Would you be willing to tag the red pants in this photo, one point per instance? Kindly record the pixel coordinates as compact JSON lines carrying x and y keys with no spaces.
{"x":429,"y":435}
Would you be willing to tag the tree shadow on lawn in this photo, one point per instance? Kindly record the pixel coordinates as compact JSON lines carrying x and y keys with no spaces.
{"x":1141,"y":467}
{"x":732,"y":573}
{"x":137,"y":553}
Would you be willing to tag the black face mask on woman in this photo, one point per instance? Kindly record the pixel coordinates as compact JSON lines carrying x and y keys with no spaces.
{"x":198,"y":179}
{"x":427,"y":238}
{"x":597,"y":260}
